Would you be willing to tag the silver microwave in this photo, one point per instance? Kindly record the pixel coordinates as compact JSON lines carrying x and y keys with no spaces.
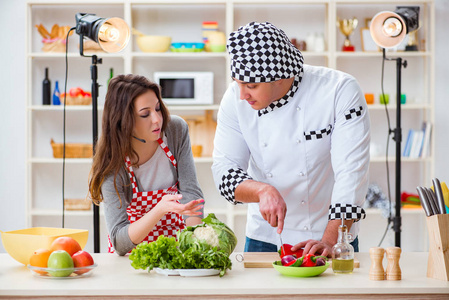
{"x":188,"y":88}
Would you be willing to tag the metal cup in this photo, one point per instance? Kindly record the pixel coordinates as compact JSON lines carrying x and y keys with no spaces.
{"x":347,"y":27}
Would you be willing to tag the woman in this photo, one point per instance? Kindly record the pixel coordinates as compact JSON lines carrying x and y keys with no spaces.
{"x":143,"y":167}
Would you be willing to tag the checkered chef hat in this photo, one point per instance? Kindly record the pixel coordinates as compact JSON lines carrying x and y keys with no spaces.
{"x":260,"y":52}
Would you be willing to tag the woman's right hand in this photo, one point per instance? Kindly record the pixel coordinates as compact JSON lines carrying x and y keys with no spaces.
{"x":169,"y":203}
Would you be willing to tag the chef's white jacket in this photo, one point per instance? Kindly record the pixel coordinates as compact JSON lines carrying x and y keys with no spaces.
{"x":314,"y":150}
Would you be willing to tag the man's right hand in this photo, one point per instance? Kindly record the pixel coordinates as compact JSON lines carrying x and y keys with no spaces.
{"x":272,"y":206}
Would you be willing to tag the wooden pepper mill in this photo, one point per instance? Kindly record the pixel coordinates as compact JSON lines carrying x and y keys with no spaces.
{"x":393,"y":269}
{"x":376,"y":271}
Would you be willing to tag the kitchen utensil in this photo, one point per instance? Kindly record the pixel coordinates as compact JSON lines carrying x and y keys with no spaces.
{"x":439,"y":194}
{"x":300,"y":271}
{"x":435,"y":201}
{"x":20,"y":244}
{"x":424,"y":201}
{"x":445,"y":193}
{"x":259,"y":259}
{"x":430,"y":197}
{"x":282,"y":244}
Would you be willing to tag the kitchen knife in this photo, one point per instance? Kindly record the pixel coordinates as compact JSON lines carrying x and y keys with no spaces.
{"x":424,"y":201}
{"x":282,"y":244}
{"x":430,"y":198}
{"x":439,"y":194}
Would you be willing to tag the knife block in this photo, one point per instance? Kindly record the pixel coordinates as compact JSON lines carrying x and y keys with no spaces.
{"x":438,"y":262}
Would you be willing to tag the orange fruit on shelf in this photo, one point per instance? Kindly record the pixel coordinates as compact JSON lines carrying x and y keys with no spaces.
{"x":65,"y":243}
{"x":39,"y":258}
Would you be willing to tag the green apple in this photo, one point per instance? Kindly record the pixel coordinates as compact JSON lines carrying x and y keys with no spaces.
{"x":60,"y":259}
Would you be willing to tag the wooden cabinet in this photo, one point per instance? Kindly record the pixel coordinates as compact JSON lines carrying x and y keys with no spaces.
{"x":182,"y":20}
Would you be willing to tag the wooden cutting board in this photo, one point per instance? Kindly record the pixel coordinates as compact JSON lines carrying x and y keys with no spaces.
{"x":266,"y":259}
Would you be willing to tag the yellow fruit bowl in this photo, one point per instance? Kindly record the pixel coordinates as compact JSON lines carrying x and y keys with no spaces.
{"x":153,"y":43}
{"x":20,"y":244}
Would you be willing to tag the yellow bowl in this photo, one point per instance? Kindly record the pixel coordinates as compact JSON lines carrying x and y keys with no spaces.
{"x":20,"y":244}
{"x":153,"y":43}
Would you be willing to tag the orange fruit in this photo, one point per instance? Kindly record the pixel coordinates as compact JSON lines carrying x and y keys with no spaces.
{"x":39,"y":258}
{"x":65,"y":243}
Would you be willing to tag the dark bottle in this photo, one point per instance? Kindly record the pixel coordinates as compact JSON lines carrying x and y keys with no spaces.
{"x":46,"y":89}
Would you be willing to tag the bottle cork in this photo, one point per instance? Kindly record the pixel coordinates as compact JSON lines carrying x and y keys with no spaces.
{"x":376,"y":271}
{"x":393,"y":269}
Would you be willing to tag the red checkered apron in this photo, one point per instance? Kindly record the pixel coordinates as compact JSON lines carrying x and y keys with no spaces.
{"x":143,"y":202}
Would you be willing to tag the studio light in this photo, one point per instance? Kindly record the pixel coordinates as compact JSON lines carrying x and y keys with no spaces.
{"x":112,"y":35}
{"x":388,"y":30}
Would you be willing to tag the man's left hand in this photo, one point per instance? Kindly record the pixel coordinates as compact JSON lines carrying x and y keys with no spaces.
{"x":314,"y":247}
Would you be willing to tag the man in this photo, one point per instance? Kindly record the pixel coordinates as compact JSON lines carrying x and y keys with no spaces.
{"x":292,"y":141}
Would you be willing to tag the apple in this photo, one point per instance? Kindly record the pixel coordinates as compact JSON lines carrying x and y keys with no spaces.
{"x":60,"y":259}
{"x":82,"y":259}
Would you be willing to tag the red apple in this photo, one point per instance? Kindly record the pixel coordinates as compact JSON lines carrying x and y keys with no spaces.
{"x":82,"y":259}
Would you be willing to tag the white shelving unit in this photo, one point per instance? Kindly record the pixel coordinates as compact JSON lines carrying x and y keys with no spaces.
{"x":182,"y":20}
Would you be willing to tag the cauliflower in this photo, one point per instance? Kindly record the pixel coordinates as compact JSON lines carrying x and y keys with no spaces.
{"x":210,"y":234}
{"x":207,"y":234}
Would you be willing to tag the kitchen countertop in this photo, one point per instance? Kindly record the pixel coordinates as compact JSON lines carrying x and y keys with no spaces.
{"x":114,"y":277}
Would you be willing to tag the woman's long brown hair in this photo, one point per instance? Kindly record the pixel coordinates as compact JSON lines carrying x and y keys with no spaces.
{"x":118,"y":122}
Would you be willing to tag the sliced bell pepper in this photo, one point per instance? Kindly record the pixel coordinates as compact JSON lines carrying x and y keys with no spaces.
{"x":309,"y":260}
{"x":286,"y":249}
{"x":297,"y":262}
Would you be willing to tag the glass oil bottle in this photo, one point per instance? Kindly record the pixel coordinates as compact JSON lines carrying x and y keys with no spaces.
{"x":343,"y":252}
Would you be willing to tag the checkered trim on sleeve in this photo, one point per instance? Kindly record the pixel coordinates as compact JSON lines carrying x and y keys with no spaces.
{"x":229,"y":183}
{"x":284,"y":100}
{"x":318,"y":134}
{"x":346,"y":211}
{"x":353,"y":112}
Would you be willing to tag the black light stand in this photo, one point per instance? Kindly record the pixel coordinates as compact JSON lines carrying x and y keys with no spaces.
{"x":95,"y":86}
{"x":397,"y":137}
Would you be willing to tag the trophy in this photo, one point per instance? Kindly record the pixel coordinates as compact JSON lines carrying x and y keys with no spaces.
{"x":346,"y":27}
{"x":412,"y":44}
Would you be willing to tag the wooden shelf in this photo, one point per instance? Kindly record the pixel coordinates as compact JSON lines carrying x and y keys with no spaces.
{"x":231,"y":14}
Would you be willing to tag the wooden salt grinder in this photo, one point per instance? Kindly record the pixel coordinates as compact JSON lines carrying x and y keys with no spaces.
{"x":376,"y":271}
{"x":393,"y":269}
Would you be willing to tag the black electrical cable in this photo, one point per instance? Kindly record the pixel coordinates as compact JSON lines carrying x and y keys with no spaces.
{"x":386,"y":150}
{"x":63,"y":122}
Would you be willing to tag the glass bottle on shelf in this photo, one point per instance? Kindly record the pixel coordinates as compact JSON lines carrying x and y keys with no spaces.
{"x":111,"y":74}
{"x":46,"y":89}
{"x":56,"y":100}
{"x":343,"y":252}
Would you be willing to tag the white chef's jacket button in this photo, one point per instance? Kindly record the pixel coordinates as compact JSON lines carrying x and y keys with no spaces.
{"x":306,"y":228}
{"x":298,"y":108}
{"x":269,"y":175}
{"x":264,"y":144}
{"x":301,"y":174}
{"x":298,"y":141}
{"x":303,"y":202}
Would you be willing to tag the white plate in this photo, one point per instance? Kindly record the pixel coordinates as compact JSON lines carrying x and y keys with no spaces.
{"x":167,"y":272}
{"x":187,"y":272}
{"x":198,"y":272}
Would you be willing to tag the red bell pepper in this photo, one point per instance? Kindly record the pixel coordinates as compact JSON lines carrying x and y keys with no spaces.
{"x":286,"y":249}
{"x":309,"y":261}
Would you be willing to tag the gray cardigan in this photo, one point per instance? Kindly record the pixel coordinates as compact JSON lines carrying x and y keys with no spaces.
{"x":117,"y":223}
